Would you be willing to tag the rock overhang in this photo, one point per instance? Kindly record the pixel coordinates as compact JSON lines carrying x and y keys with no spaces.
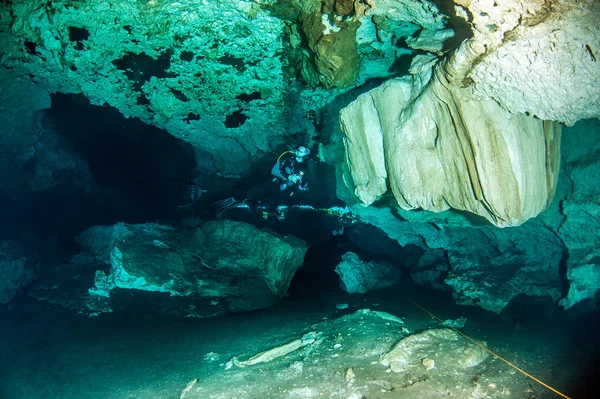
{"x":211,"y":74}
{"x":485,"y":73}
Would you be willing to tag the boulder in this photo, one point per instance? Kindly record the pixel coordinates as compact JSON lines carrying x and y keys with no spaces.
{"x":17,"y":270}
{"x":358,"y":276}
{"x":445,"y":347}
{"x":221,"y":266}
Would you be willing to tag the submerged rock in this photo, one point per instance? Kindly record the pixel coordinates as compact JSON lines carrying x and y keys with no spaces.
{"x":69,"y":285}
{"x":579,"y":226}
{"x":17,"y":270}
{"x":358,"y":276}
{"x":557,"y":255}
{"x":442,"y":348}
{"x":394,"y":31}
{"x":490,"y":267}
{"x":482,"y":265}
{"x":330,"y":33}
{"x":222,"y":266}
{"x":462,"y":134}
{"x":343,"y":359}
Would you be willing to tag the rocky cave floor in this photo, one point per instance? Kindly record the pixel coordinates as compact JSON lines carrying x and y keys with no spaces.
{"x":49,"y":353}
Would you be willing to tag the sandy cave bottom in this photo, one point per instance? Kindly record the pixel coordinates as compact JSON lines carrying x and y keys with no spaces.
{"x":49,"y":353}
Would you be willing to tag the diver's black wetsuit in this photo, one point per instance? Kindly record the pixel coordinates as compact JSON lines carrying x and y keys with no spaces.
{"x":269,"y":192}
{"x":288,"y":165}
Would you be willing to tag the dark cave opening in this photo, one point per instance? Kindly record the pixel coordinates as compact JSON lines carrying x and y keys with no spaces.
{"x":139,"y":68}
{"x":317,"y":277}
{"x":317,"y":274}
{"x":139,"y":174}
{"x":235,"y":119}
{"x":140,"y":161}
{"x":107,"y":169}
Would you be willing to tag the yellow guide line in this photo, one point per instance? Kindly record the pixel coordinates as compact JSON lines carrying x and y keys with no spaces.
{"x":490,"y":351}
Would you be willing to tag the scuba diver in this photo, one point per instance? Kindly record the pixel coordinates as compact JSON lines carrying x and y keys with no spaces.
{"x":289,"y":173}
{"x":290,"y":170}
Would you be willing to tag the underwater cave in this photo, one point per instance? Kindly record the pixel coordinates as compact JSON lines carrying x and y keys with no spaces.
{"x":299,"y":200}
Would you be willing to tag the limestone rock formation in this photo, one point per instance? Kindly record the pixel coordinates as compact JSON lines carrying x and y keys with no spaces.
{"x":69,"y":285}
{"x":17,"y":270}
{"x":19,"y":117}
{"x":358,"y":276}
{"x":221,"y":266}
{"x":210,"y":73}
{"x":482,"y":265}
{"x":579,"y":212}
{"x":444,"y":346}
{"x":391,"y":23}
{"x":470,"y":116}
{"x":525,"y":58}
{"x":439,"y":147}
{"x":330,"y":31}
{"x":540,"y":58}
{"x":492,"y":267}
{"x":469,"y":132}
{"x":56,"y":163}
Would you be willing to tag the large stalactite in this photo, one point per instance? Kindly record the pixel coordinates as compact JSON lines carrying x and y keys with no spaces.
{"x":447,"y":135}
{"x":440,"y":147}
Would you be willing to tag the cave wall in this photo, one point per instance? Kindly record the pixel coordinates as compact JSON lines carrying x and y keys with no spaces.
{"x":476,"y":131}
{"x":221,"y":76}
{"x":578,"y":212}
{"x":553,"y":256}
{"x":21,"y":128}
{"x":529,"y":67}
{"x":209,"y":73}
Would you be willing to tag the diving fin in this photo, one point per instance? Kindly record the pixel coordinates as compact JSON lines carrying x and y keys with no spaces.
{"x":222,"y":205}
